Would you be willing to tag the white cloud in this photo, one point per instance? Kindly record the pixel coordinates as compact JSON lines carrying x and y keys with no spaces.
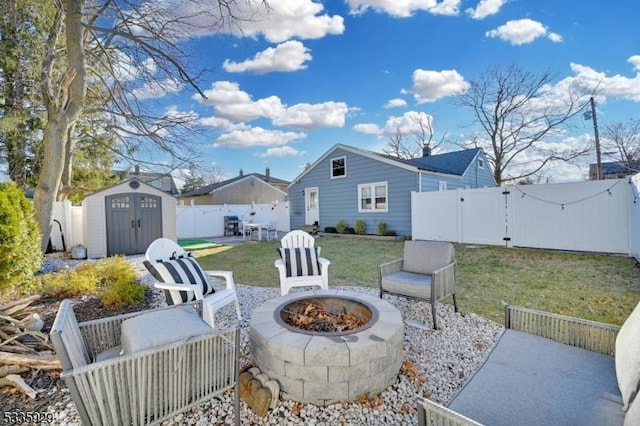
{"x":395,"y":103}
{"x":617,"y":86}
{"x":256,"y":136}
{"x":158,"y":89}
{"x":405,"y":8}
{"x":282,"y":151}
{"x":429,"y":86}
{"x":281,"y":20}
{"x":486,"y":8}
{"x":522,"y":31}
{"x":407,"y":123}
{"x":312,"y":116}
{"x":235,"y":105}
{"x":286,"y":57}
{"x":367,"y":128}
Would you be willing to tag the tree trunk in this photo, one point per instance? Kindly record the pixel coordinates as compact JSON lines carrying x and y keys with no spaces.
{"x":64,"y":105}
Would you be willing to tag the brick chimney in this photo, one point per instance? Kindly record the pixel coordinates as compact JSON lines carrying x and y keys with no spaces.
{"x":426,"y":151}
{"x":241,"y":173}
{"x":136,"y":169}
{"x":267,"y":173}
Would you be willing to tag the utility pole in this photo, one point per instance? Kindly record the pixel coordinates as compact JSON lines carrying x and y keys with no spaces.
{"x":595,"y":132}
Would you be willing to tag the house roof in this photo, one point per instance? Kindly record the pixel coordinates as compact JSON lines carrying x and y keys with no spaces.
{"x":616,"y":167}
{"x":451,"y":163}
{"x":208,"y":189}
{"x":454,"y":163}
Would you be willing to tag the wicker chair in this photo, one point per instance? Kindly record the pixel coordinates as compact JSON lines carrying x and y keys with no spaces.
{"x":149,"y":384}
{"x":300,"y":264}
{"x":427,"y":271}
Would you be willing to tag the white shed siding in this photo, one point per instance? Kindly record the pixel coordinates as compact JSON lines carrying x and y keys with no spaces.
{"x":94,"y":216}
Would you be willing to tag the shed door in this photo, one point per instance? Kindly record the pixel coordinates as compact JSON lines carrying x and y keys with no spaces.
{"x":133,"y":222}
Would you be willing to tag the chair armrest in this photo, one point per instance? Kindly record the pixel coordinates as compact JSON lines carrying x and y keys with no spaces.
{"x":322,"y":261}
{"x":443,"y":281}
{"x":227,"y":276}
{"x":390,"y":267}
{"x":585,"y":334}
{"x":430,"y":413}
{"x":181,"y":287}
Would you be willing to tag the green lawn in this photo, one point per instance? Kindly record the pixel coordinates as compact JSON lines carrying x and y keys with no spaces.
{"x":594,"y":286}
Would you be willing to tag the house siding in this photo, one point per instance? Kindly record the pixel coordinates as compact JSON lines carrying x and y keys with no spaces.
{"x":338,"y":198}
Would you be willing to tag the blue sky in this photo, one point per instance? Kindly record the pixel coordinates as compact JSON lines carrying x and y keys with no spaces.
{"x":307,"y":74}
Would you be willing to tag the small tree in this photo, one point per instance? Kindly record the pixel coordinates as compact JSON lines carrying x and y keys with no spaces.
{"x":624,"y":139}
{"x":20,"y":255}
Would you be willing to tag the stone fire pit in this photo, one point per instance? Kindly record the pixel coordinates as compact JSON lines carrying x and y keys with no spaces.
{"x":322,"y":368}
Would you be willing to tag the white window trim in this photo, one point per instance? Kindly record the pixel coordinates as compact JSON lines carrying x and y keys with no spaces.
{"x":373,"y":193}
{"x":344,"y":158}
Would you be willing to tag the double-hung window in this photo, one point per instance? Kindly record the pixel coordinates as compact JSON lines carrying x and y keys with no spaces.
{"x":338,"y":167}
{"x":373,"y":197}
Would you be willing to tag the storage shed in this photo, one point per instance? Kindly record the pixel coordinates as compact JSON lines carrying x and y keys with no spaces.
{"x":126,"y":218}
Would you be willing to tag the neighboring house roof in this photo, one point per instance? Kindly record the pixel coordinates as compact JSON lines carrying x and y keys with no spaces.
{"x":127,"y":181}
{"x":162,"y":181}
{"x":451,"y":163}
{"x":618,"y":168}
{"x":208,"y":189}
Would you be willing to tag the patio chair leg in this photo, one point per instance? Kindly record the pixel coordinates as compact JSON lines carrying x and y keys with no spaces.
{"x":433,"y":313}
{"x":455,"y":304}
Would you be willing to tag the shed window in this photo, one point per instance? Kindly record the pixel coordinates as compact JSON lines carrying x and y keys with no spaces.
{"x":480,"y":163}
{"x":442,"y":186}
{"x":373,"y":197}
{"x":338,"y":167}
{"x":120,"y":203}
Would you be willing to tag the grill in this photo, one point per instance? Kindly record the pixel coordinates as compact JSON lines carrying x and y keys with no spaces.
{"x":231,"y":225}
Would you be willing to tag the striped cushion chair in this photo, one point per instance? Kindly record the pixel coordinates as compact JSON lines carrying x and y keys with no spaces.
{"x":300,"y":264}
{"x":183,"y":280}
{"x":181,"y":270}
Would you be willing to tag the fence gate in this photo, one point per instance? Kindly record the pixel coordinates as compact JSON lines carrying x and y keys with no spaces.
{"x":133,"y":221}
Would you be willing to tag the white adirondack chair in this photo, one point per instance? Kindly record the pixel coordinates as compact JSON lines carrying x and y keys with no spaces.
{"x":169,"y":263}
{"x":298,"y":267}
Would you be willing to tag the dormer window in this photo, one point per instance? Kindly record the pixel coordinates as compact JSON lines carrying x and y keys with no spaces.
{"x":338,"y":167}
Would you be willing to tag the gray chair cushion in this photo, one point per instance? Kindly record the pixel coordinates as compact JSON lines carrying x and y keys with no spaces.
{"x":160,"y":328}
{"x":628,"y":357}
{"x":424,"y":257}
{"x":531,"y":380}
{"x":408,"y":284}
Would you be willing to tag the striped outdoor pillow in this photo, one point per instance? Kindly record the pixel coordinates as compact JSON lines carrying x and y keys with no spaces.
{"x":300,"y":262}
{"x":180,"y":270}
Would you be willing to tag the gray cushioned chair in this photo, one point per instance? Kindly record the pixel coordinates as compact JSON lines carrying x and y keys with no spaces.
{"x":144,"y":367}
{"x":427,"y":271}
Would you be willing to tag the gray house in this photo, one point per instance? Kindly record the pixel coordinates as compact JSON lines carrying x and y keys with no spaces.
{"x":350,"y":184}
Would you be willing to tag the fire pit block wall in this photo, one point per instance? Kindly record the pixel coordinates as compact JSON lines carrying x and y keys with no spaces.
{"x":323,"y":369}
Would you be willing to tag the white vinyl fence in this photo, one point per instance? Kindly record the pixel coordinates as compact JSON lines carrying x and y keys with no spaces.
{"x":195,"y":221}
{"x":208,"y":221}
{"x":594,"y":216}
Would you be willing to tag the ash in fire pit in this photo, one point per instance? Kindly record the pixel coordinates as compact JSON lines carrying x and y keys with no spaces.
{"x":328,"y":315}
